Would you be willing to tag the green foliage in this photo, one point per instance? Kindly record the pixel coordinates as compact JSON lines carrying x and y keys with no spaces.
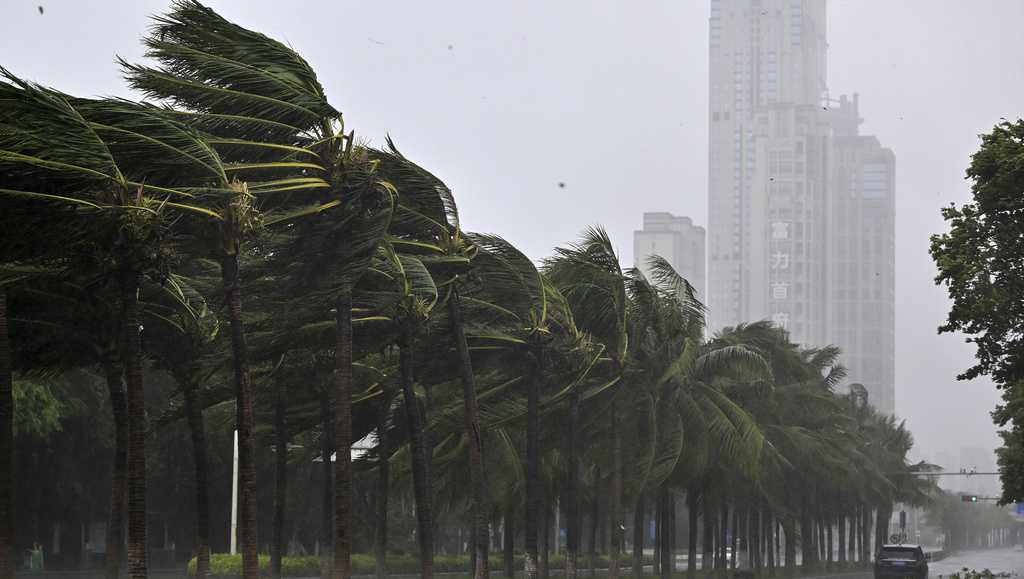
{"x":979,"y":263}
{"x":37,"y":412}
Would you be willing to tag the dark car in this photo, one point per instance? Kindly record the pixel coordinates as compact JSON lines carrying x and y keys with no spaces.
{"x":901,"y":561}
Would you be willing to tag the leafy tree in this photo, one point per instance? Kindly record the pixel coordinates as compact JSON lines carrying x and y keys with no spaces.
{"x":979,"y":263}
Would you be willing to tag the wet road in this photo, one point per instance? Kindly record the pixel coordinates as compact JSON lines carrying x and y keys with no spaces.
{"x":997,"y":560}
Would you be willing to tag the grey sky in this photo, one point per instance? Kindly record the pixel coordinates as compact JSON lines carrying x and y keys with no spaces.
{"x":506,"y":100}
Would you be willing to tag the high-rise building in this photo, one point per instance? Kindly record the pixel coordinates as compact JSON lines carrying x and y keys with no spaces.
{"x":676,"y":239}
{"x":861,"y":283}
{"x":798,"y":200}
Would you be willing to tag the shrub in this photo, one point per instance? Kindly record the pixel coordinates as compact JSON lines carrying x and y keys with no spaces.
{"x":225,"y":565}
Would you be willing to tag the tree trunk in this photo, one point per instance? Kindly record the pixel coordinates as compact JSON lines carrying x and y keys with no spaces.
{"x":856,"y":536}
{"x":508,"y":537}
{"x":806,"y":539}
{"x":789,"y":529}
{"x":692,"y":508}
{"x":327,"y":441}
{"x":639,"y":523}
{"x":343,"y":438}
{"x":595,"y":521}
{"x":707,"y":516}
{"x":572,"y":523}
{"x":277,"y":547}
{"x":723,"y":534}
{"x":770,"y":541}
{"x":545,"y":539}
{"x":6,"y":446}
{"x":244,"y":420}
{"x":841,"y":530}
{"x":479,"y":505}
{"x":422,"y":485}
{"x":828,"y":540}
{"x":201,"y":464}
{"x":822,"y":542}
{"x":383,"y":488}
{"x":735,"y":537}
{"x":136,"y":410}
{"x":667,"y":563}
{"x":532,"y":462}
{"x":867,"y":535}
{"x":616,"y":531}
{"x":119,"y":480}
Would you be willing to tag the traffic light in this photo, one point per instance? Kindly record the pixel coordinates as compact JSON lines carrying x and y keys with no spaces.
{"x":969,"y":498}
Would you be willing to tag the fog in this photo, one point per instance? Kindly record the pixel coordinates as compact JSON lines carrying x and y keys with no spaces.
{"x":505,"y":102}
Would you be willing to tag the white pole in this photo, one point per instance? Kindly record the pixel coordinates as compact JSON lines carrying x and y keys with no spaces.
{"x":234,"y":498}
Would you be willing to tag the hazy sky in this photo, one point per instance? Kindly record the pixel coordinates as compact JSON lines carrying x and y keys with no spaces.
{"x":506,"y":100}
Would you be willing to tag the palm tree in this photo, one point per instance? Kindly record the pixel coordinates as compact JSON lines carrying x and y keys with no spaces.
{"x":427,"y":206}
{"x":536,"y":313}
{"x":414,"y":297}
{"x":97,"y":153}
{"x":267,"y":111}
{"x":6,"y":446}
{"x":184,"y":331}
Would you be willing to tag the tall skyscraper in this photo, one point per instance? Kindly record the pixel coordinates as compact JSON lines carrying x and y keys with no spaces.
{"x":792,"y":188}
{"x":861,"y":315}
{"x":676,"y":239}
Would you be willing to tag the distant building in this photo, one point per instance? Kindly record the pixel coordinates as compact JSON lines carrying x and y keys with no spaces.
{"x":861,"y":316}
{"x":800,"y":205}
{"x":677,"y":240}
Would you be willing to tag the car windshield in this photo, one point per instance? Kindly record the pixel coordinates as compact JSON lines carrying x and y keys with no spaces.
{"x":900,"y":554}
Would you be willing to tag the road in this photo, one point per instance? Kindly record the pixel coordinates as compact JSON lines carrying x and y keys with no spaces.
{"x":997,"y":560}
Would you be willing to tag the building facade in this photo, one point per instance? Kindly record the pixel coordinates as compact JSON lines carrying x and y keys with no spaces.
{"x":676,"y":239}
{"x":798,"y":200}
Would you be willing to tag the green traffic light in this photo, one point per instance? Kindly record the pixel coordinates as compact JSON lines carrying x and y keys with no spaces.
{"x":974,"y":499}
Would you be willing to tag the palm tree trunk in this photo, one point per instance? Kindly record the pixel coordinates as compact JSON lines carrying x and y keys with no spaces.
{"x":735,"y":538}
{"x":136,"y":410}
{"x":545,"y":539}
{"x":723,"y":534}
{"x":668,"y":548}
{"x":508,"y":536}
{"x":327,"y":440}
{"x":692,"y":531}
{"x":828,"y":539}
{"x":383,"y":484}
{"x":770,"y":541}
{"x":841,"y":530}
{"x":707,"y":515}
{"x":6,"y":446}
{"x":572,"y":524}
{"x":639,"y":522}
{"x":532,"y":462}
{"x":343,"y":438}
{"x":867,"y":534}
{"x":422,"y":485}
{"x":789,"y":529}
{"x":856,"y":535}
{"x":119,"y":479}
{"x":277,"y":548}
{"x":615,"y":502}
{"x":595,"y":521}
{"x":479,"y":505}
{"x":198,"y":433}
{"x":244,"y":420}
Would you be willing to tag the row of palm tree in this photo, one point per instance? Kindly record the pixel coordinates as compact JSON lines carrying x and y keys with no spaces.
{"x":134,"y":232}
